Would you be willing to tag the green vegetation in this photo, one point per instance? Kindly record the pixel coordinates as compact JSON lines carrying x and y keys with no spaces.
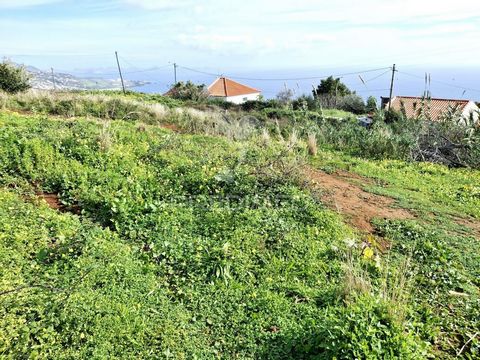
{"x":185,"y":247}
{"x":13,"y":79}
{"x":441,"y":244}
{"x":371,"y":105}
{"x":163,"y":244}
{"x":332,"y":86}
{"x":188,"y":91}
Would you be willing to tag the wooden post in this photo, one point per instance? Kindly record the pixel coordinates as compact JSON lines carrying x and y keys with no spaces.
{"x":391,"y":87}
{"x":53,"y":79}
{"x":120,"y":72}
{"x":175,"y":72}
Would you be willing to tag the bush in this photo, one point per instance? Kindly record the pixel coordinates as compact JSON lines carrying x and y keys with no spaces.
{"x":305,"y":102}
{"x":188,"y":91}
{"x":13,"y":79}
{"x":352,"y":103}
{"x":332,"y":86}
{"x":371,"y":104}
{"x":392,"y":116}
{"x":251,"y":105}
{"x":364,"y":329}
{"x":284,"y":97}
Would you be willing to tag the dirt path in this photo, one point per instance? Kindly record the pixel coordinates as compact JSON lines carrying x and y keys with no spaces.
{"x":359,"y":207}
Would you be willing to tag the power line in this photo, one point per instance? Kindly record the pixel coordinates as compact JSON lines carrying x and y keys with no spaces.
{"x":439,"y":82}
{"x":287,"y":79}
{"x":313,"y":77}
{"x":135,"y":71}
{"x":373,"y":90}
{"x":379,"y":76}
{"x":198,"y":71}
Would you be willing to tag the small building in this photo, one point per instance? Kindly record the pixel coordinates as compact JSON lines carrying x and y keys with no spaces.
{"x":232,"y":91}
{"x":436,"y":108}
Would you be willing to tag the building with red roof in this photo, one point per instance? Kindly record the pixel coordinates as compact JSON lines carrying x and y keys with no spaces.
{"x":434,"y":108}
{"x":232,"y":91}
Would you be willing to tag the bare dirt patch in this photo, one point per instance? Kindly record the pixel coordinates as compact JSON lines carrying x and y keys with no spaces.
{"x":472,"y":224}
{"x":53,"y":201}
{"x":172,"y":127}
{"x":359,"y":207}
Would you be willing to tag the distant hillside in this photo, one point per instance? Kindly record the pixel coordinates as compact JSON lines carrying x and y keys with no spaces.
{"x":44,"y":80}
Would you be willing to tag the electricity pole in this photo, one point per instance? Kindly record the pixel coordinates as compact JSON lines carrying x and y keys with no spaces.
{"x":53,"y":79}
{"x":120,"y":72}
{"x":391,"y":87}
{"x":175,"y":72}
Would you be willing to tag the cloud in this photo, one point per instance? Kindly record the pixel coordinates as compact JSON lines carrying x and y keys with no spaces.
{"x":12,"y":4}
{"x":256,"y":33}
{"x":159,"y":4}
{"x":351,"y":12}
{"x":248,"y":43}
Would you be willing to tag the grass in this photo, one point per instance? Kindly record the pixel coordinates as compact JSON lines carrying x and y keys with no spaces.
{"x":196,"y":246}
{"x":440,"y":248}
{"x":430,"y":189}
{"x":186,"y":247}
{"x":335,"y":113}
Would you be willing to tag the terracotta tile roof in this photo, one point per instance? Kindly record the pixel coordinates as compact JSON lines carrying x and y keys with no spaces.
{"x":436,"y":107}
{"x":223,"y":87}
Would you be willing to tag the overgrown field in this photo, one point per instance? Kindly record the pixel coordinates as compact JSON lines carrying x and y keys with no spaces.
{"x":169,"y":245}
{"x":440,"y":246}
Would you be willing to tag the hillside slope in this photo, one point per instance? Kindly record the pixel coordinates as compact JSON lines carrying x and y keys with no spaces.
{"x":156,"y":244}
{"x":44,"y":80}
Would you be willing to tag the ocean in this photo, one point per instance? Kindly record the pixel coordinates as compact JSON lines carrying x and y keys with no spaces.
{"x":454,"y":83}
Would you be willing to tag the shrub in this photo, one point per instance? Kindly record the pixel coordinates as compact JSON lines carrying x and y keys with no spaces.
{"x":305,"y":102}
{"x":285,"y":96}
{"x":312,"y":144}
{"x":364,"y":330}
{"x":352,"y":103}
{"x":251,"y":105}
{"x":188,"y":91}
{"x":371,"y":104}
{"x":392,"y":116}
{"x":331,"y":86}
{"x":13,"y":79}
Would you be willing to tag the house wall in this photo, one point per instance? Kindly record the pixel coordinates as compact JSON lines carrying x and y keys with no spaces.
{"x":240,"y":99}
{"x":471,"y":108}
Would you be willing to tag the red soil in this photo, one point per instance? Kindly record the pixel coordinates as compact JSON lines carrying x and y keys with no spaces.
{"x":358,"y":206}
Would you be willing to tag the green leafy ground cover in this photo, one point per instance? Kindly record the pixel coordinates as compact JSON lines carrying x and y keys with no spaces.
{"x":441,"y":243}
{"x":191,"y":246}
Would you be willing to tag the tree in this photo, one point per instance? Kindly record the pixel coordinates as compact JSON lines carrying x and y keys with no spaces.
{"x":352,"y":103}
{"x":13,"y":78}
{"x":371,"y":104}
{"x":305,"y":101}
{"x":331,"y":86}
{"x":285,"y":97}
{"x":188,"y":91}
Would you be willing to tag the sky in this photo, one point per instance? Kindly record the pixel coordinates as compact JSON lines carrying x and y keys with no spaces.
{"x":241,"y":35}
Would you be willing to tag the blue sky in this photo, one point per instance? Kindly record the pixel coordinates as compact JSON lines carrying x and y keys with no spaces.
{"x":241,"y":35}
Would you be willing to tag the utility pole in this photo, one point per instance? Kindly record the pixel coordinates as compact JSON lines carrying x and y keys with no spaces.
{"x":120,"y":72}
{"x":175,"y":72}
{"x":53,"y":79}
{"x":391,"y":87}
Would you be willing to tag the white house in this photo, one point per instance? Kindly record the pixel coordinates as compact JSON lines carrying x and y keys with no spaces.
{"x":232,"y":91}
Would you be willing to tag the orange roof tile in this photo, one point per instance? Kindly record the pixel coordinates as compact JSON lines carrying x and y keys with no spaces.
{"x":223,"y":87}
{"x":435,"y":107}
